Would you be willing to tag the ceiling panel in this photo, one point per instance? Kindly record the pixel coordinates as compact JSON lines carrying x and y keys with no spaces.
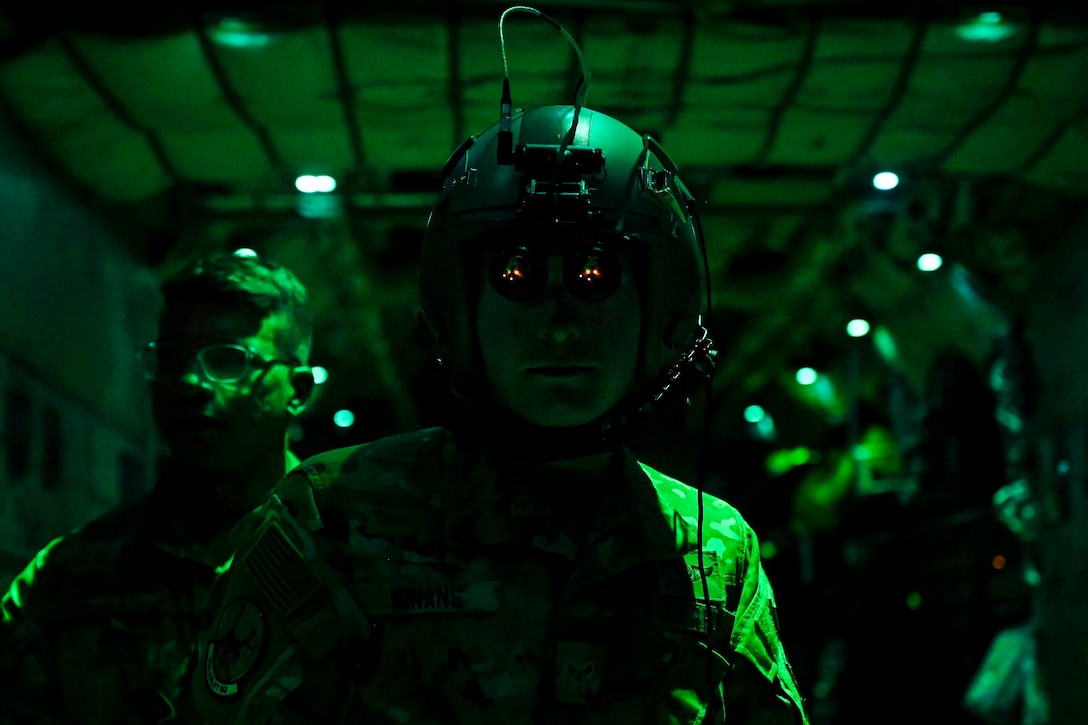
{"x":160,"y":82}
{"x":1065,"y":167}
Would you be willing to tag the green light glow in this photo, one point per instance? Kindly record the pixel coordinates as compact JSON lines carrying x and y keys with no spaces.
{"x":930,"y":262}
{"x":914,"y":600}
{"x":765,"y":428}
{"x":986,"y":28}
{"x":689,"y":699}
{"x":886,"y":180}
{"x":857,"y":328}
{"x":320,"y":374}
{"x":311,"y":184}
{"x":343,"y":418}
{"x":885,"y":345}
{"x":783,"y":461}
{"x":225,"y":566}
{"x":768,"y":549}
{"x":319,"y":206}
{"x":237,"y":33}
{"x":245,"y":252}
{"x":754,"y":413}
{"x":806,"y":376}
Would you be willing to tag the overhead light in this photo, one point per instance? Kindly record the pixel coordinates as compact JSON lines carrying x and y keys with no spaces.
{"x":806,"y":376}
{"x":235,"y":32}
{"x":987,"y":27}
{"x":754,"y":413}
{"x":343,"y":418}
{"x":245,"y":252}
{"x":857,"y":328}
{"x":320,"y":374}
{"x":311,"y":184}
{"x":930,"y":262}
{"x":886,"y":180}
{"x":316,"y":201}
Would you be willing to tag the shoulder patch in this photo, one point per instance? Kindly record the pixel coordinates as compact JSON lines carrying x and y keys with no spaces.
{"x":234,"y":647}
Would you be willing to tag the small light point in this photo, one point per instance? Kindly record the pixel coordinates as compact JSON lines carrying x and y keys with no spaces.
{"x":857,"y":328}
{"x":886,"y":180}
{"x":930,"y":262}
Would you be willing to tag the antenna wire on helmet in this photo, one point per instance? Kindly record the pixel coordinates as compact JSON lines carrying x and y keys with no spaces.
{"x":580,"y":90}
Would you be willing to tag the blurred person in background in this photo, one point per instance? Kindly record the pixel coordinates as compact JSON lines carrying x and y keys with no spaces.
{"x":100,"y":627}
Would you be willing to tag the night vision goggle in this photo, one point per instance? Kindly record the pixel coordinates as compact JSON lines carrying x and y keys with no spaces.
{"x":591,"y":272}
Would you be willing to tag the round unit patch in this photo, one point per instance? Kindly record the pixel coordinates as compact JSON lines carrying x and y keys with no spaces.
{"x":234,"y":647}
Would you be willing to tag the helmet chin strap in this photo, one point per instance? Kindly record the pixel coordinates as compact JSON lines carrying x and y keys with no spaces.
{"x":630,"y":419}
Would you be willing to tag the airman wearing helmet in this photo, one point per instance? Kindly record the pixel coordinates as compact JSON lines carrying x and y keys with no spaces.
{"x":100,"y":626}
{"x":521,"y":565}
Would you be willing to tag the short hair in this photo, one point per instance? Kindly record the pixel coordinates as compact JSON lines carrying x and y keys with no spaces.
{"x":250,"y":282}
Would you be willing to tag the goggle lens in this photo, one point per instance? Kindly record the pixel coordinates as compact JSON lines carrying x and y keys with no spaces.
{"x":590,"y":274}
{"x":518,"y":274}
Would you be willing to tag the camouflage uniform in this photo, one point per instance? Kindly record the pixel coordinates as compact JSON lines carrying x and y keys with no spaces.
{"x":101,"y":626}
{"x":409,"y":580}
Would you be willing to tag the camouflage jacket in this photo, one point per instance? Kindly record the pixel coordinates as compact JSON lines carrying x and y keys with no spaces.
{"x":407,"y":581}
{"x":100,"y":627}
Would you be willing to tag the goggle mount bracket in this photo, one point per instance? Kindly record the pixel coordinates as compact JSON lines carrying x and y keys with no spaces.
{"x":555,"y":188}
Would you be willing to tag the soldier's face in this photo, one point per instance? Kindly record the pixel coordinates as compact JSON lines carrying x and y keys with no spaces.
{"x":222,"y":426}
{"x":554,"y":359}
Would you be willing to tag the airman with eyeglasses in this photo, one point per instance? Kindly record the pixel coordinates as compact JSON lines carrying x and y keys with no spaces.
{"x":101,"y":626}
{"x":221,"y":362}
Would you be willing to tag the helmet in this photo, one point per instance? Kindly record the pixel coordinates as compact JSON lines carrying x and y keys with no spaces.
{"x":561,"y":171}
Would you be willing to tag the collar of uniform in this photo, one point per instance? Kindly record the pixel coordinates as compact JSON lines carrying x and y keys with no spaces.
{"x":616,"y":521}
{"x":632,"y":529}
{"x":606,"y":521}
{"x":491,"y":497}
{"x":475,"y":502}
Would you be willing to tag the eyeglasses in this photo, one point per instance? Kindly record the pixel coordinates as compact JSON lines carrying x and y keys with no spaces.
{"x":220,"y":363}
{"x":590,"y":273}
